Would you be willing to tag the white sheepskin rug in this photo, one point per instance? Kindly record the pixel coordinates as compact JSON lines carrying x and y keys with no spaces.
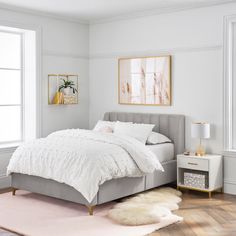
{"x":146,"y":208}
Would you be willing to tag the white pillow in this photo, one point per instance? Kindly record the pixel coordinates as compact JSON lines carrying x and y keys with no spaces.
{"x":157,"y":138}
{"x":104,"y":126}
{"x":137,"y":131}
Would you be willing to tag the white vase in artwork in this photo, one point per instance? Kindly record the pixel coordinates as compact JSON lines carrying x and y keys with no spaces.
{"x":67,"y":91}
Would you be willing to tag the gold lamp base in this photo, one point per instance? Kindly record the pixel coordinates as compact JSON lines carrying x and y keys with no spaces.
{"x":200,"y":151}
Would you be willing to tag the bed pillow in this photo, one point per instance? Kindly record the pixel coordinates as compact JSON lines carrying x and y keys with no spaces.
{"x":104,"y":126}
{"x":157,"y":138}
{"x":137,"y":131}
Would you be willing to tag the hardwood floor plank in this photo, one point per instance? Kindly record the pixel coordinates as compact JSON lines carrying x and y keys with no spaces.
{"x":204,"y":216}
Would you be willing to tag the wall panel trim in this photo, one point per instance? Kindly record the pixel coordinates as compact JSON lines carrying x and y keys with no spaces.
{"x":154,"y":52}
{"x":5,"y":182}
{"x":52,"y":53}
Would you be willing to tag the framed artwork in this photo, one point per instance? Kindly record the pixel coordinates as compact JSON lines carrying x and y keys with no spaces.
{"x":62,"y":89}
{"x":145,"y":81}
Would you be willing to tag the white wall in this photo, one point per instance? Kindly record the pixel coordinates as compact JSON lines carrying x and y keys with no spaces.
{"x":65,"y":48}
{"x":194,"y":38}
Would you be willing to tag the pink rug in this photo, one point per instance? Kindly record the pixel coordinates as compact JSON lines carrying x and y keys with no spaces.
{"x":37,"y":215}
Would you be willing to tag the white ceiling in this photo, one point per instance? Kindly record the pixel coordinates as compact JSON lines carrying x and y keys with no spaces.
{"x":97,"y":10}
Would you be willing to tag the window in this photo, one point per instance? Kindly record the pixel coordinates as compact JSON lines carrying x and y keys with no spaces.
{"x":230,"y":84}
{"x":11,"y":87}
{"x":17,"y":85}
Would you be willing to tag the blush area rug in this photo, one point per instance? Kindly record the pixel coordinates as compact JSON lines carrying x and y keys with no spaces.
{"x":37,"y":215}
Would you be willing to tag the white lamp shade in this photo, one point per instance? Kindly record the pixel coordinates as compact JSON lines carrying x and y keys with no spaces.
{"x":200,"y":130}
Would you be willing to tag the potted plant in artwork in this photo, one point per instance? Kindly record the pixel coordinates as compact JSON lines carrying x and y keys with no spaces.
{"x":67,"y":86}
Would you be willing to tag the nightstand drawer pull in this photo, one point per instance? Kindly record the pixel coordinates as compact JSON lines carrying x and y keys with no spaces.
{"x":193,"y":164}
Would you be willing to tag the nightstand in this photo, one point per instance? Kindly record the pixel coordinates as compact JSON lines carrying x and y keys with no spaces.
{"x":200,"y":173}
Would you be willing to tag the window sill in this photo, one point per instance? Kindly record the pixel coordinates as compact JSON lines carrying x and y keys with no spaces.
{"x":229,"y":153}
{"x":9,"y":148}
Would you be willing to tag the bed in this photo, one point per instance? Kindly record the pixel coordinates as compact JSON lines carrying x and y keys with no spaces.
{"x":171,"y":125}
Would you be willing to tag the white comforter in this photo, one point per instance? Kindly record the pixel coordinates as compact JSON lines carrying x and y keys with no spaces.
{"x":83,"y":159}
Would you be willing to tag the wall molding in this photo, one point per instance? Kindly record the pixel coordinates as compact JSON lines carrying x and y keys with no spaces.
{"x":8,"y":150}
{"x":38,"y":13}
{"x":154,"y":52}
{"x":5,"y":182}
{"x":229,"y":22}
{"x":52,"y":53}
{"x":158,"y":11}
{"x":229,"y":154}
{"x":127,"y":16}
{"x":228,"y":181}
{"x":230,"y":187}
{"x":150,"y":52}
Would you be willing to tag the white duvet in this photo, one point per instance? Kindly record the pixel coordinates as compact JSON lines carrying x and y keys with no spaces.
{"x":83,"y":159}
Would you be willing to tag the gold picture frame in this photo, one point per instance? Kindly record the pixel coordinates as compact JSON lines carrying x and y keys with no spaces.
{"x":145,"y":81}
{"x":58,"y":93}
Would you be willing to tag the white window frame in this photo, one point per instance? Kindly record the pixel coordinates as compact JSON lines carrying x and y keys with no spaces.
{"x":19,"y":27}
{"x":21,"y":105}
{"x":228,"y":85}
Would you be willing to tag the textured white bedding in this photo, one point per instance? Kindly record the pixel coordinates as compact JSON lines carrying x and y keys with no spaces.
{"x":83,"y":159}
{"x":164,"y":152}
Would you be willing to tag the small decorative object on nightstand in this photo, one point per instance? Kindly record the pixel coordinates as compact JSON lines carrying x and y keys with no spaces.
{"x":201,"y":174}
{"x":202,"y":131}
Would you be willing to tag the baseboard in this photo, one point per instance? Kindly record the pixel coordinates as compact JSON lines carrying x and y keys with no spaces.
{"x":230,"y":187}
{"x":5,"y":182}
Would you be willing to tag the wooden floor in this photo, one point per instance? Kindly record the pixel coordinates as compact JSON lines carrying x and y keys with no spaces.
{"x":204,"y":216}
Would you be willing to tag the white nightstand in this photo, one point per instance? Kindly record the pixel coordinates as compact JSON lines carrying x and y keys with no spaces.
{"x":193,"y":171}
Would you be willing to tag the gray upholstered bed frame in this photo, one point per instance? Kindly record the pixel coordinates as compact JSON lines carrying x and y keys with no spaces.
{"x":173,"y":126}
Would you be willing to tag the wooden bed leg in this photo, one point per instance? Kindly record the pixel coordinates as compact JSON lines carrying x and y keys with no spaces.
{"x":90,"y":210}
{"x":14,"y":191}
{"x":209,"y":194}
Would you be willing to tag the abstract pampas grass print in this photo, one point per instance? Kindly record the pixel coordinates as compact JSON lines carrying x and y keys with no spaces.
{"x":145,"y":81}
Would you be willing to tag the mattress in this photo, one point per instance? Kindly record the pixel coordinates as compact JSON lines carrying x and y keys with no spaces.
{"x":164,"y":152}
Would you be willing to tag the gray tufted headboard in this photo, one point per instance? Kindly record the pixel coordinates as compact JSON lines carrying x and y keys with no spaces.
{"x":172,"y":126}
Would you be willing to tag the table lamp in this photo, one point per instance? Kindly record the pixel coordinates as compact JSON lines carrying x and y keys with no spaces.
{"x":202,"y":131}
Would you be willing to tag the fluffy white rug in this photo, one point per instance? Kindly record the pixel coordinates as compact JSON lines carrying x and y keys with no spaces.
{"x":146,"y":208}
